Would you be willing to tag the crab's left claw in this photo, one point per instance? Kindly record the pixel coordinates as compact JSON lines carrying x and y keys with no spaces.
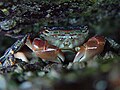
{"x":92,"y":47}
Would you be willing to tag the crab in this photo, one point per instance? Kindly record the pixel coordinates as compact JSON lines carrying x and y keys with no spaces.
{"x":53,"y":42}
{"x":59,"y":40}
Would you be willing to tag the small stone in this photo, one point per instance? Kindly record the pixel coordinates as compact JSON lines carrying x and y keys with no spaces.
{"x":7,"y":24}
{"x":3,"y":84}
{"x":101,"y":85}
{"x":41,"y":73}
{"x":5,"y":11}
{"x":26,"y":86}
{"x":48,"y":15}
{"x":72,"y":21}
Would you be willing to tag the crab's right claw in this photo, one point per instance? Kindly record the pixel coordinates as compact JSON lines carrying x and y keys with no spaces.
{"x":91,"y":48}
{"x":44,"y":50}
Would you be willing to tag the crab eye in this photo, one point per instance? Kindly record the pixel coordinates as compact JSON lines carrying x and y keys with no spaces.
{"x":46,"y":31}
{"x":38,"y":43}
{"x":84,"y":29}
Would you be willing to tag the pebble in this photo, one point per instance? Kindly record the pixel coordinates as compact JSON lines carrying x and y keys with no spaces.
{"x":7,"y":24}
{"x":3,"y":84}
{"x":26,"y":86}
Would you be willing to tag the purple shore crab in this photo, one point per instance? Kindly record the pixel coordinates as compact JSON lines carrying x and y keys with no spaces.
{"x":54,"y":41}
{"x":59,"y":40}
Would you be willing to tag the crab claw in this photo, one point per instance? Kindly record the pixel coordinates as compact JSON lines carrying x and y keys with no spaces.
{"x":92,"y":47}
{"x":45,"y":51}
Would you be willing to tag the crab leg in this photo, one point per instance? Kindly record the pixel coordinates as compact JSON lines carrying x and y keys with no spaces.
{"x":8,"y":57}
{"x":92,"y":47}
{"x":44,"y":50}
